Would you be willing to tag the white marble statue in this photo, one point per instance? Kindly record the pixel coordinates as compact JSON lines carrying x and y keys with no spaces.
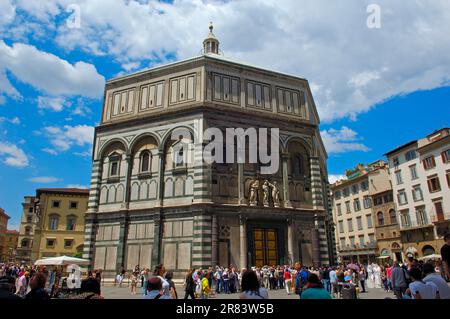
{"x":377,"y":275}
{"x":370,"y":277}
{"x":275,"y":194}
{"x":266,"y":190}
{"x":253,"y":195}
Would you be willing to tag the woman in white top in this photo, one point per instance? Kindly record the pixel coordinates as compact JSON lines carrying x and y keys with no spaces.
{"x":250,"y":287}
{"x":419,"y":289}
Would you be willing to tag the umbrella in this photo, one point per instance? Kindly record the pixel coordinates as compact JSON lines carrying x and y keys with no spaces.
{"x":62,"y":260}
{"x":432,"y":256}
{"x":355,"y":267}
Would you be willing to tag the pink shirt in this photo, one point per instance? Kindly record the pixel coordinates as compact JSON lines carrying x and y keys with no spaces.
{"x":389,"y":272}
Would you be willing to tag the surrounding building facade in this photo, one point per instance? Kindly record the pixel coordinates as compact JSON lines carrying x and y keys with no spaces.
{"x":27,"y":229}
{"x":3,"y":228}
{"x":420,"y":174}
{"x":146,"y":208}
{"x":9,"y":246}
{"x":352,"y":213}
{"x":52,"y":224}
{"x":387,"y":229}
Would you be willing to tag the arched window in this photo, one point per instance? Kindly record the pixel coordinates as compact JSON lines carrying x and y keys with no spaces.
{"x":380,"y":218}
{"x":428,"y":250}
{"x":53,"y":222}
{"x":145,"y":162}
{"x":297,"y":165}
{"x":179,"y":154}
{"x":24,"y":243}
{"x":27,"y":230}
{"x":114,"y":165}
{"x":393,"y":216}
{"x":71,"y":222}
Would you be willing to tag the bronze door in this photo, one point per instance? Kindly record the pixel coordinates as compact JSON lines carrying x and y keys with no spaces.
{"x":265,"y":246}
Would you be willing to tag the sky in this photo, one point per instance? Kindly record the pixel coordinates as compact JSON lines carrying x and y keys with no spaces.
{"x":380,"y":75}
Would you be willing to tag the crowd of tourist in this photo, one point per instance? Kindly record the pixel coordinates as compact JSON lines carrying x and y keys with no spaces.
{"x":413,"y":279}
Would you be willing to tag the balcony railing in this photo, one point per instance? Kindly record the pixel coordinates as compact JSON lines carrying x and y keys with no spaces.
{"x":435,"y":218}
{"x":358,"y":247}
{"x":415,"y":224}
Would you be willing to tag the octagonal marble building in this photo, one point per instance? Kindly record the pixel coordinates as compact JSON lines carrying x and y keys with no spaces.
{"x":144,"y":209}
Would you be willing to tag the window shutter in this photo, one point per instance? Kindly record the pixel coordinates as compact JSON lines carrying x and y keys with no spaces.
{"x":424,"y":162}
{"x":434,"y":162}
{"x":430,"y":187}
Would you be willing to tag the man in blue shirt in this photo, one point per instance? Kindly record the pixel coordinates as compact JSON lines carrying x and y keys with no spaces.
{"x":300,"y":279}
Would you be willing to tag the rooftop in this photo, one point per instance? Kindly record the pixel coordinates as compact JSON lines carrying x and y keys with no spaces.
{"x":82,"y":191}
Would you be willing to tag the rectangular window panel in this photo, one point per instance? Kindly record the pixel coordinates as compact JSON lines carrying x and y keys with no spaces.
{"x":217,"y":87}
{"x":288,"y":101}
{"x":235,"y":90}
{"x":303,"y":105}
{"x":280,"y":100}
{"x":159,"y":94}
{"x":144,"y":98}
{"x":130,"y":102}
{"x":123,"y":102}
{"x":226,"y":88}
{"x":267,"y":97}
{"x":258,"y":95}
{"x":151,"y":98}
{"x":250,"y":94}
{"x":190,"y":88}
{"x":182,"y":90}
{"x":116,"y":104}
{"x":173,"y":91}
{"x":295,"y":103}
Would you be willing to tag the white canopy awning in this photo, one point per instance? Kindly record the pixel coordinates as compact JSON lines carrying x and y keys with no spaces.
{"x":62,"y":260}
{"x":433,"y":256}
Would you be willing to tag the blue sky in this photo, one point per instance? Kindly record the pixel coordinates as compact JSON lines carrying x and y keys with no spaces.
{"x":375,"y":88}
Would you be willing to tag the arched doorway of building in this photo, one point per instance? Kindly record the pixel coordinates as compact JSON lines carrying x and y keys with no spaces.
{"x":428,"y":250}
{"x":396,"y":249}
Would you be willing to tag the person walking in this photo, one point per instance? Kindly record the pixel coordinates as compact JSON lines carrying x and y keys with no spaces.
{"x":155,"y":289}
{"x":399,"y":280}
{"x":333,"y":282}
{"x":326,"y":278}
{"x":314,"y":289}
{"x":445,"y":254}
{"x":362,"y":278}
{"x":206,"y":289}
{"x":159,"y":272}
{"x":287,"y":280}
{"x":251,"y":288}
{"x":189,"y":285}
{"x":172,"y":289}
{"x":430,"y":276}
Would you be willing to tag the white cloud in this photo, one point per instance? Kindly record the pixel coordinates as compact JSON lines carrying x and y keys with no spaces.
{"x":342,"y":141}
{"x":326,"y":42}
{"x":77,"y":186}
{"x":334,"y":178}
{"x":52,"y":103}
{"x":50,"y":151}
{"x":63,"y":138}
{"x":83,"y":154}
{"x":15,"y":120}
{"x":351,"y":66}
{"x":7,"y":12}
{"x":12,"y":155}
{"x":47,"y":73}
{"x":44,"y":179}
